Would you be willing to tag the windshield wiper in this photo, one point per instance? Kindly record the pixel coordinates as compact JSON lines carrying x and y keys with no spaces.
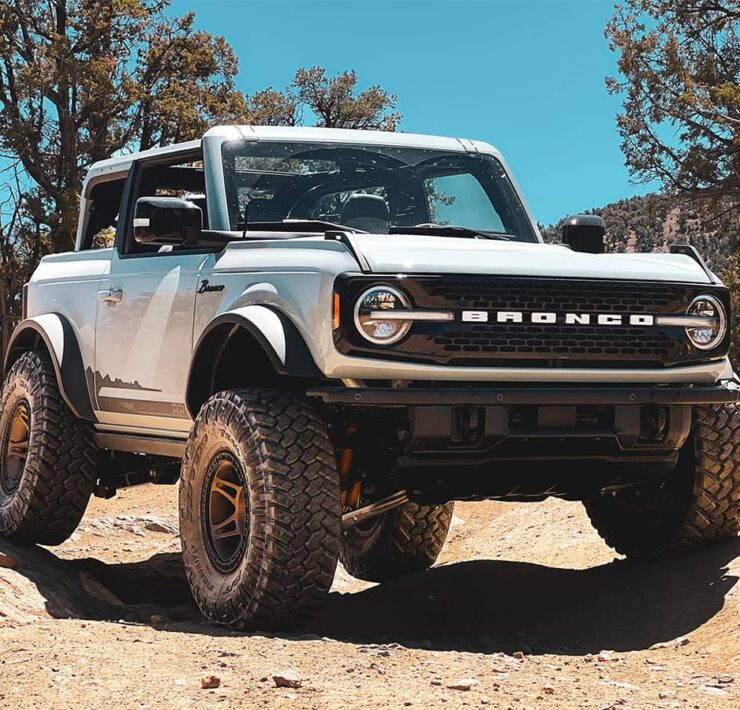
{"x":301,"y":225}
{"x":451,"y":230}
{"x":319,"y":225}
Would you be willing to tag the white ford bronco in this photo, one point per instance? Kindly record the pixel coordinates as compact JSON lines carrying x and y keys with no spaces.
{"x":327,"y":336}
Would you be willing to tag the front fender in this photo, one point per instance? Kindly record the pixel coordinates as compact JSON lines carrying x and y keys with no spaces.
{"x":272,"y":330}
{"x":276,"y":333}
{"x":59,"y":339}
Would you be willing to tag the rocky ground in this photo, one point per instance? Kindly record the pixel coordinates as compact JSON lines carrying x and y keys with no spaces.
{"x":527,"y":608}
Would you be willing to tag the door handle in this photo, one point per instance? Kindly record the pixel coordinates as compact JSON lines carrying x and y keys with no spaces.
{"x":111,"y":295}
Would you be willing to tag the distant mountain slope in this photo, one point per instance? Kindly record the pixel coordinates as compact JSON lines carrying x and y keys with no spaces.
{"x":653,"y":223}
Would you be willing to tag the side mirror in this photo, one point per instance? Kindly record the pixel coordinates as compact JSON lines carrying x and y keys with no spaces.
{"x":167,"y":220}
{"x":585,"y":232}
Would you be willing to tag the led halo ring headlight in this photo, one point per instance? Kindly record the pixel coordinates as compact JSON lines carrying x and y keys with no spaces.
{"x":709,"y":336}
{"x":375,"y":300}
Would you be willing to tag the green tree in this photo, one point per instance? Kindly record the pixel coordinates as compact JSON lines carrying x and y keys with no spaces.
{"x":731,"y":278}
{"x":680,"y":62}
{"x":270,"y":107}
{"x":186,"y":83}
{"x":333,"y":102}
{"x":10,"y":207}
{"x":82,"y":79}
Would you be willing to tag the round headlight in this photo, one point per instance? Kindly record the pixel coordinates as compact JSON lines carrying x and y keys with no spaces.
{"x":709,"y":336}
{"x":379,"y":315}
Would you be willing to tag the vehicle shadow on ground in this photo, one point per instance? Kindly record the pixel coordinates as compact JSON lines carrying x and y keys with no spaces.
{"x":479,"y":606}
{"x":495,"y":605}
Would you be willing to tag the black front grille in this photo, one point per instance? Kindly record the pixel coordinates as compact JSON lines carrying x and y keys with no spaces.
{"x":507,"y":294}
{"x":557,"y":340}
{"x":534,"y":344}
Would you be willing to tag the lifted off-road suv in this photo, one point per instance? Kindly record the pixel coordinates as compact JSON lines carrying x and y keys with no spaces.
{"x":327,"y":336}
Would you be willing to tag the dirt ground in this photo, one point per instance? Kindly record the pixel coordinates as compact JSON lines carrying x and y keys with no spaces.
{"x":527,"y":608}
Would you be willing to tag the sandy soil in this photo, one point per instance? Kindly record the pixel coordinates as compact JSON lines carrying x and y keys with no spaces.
{"x":527,"y":608}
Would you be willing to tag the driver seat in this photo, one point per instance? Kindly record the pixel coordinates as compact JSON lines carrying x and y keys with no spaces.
{"x":367,"y":212}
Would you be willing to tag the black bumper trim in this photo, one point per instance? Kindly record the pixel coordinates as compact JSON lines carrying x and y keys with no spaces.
{"x":458,"y":396}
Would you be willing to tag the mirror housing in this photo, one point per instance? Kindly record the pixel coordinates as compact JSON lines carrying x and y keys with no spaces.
{"x":585,"y":233}
{"x":167,"y":220}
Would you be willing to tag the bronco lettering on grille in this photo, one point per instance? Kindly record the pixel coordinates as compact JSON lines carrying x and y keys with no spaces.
{"x":546,"y":317}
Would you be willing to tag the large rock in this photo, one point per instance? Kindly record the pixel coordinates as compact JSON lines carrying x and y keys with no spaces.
{"x":287,"y":679}
{"x":8,"y":562}
{"x":38,"y":585}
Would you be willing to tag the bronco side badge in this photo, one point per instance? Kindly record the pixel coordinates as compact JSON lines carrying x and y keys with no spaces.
{"x":207,"y":287}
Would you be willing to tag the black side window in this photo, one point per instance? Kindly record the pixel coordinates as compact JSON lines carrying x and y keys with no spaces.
{"x":102,"y":220}
{"x":184,"y":177}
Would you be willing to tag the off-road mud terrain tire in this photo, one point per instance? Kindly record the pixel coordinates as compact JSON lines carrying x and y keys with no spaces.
{"x":699,"y":503}
{"x":279,"y":449}
{"x":45,"y":498}
{"x":402,"y":541}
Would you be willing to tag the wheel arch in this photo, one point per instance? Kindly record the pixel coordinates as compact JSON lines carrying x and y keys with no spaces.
{"x":265,"y":338}
{"x":53,"y":333}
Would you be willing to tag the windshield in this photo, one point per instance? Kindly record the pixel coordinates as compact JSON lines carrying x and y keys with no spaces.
{"x":379,"y":189}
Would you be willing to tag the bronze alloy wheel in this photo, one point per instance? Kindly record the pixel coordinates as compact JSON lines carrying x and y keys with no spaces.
{"x":48,"y":457}
{"x":259,"y":509}
{"x":225,"y":508}
{"x":15,"y":447}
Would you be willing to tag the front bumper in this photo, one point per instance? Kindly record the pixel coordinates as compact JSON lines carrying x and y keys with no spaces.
{"x":463,"y":396}
{"x":448,"y":443}
{"x":336,"y":366}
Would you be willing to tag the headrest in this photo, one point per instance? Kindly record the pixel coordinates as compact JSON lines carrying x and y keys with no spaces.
{"x":368,"y":212}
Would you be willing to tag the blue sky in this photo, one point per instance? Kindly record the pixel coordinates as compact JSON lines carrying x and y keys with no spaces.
{"x":524,"y":75}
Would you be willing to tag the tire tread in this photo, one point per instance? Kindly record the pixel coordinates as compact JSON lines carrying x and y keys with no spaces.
{"x":61,"y":468}
{"x":411,"y":537}
{"x":712,"y":511}
{"x":295,"y":505}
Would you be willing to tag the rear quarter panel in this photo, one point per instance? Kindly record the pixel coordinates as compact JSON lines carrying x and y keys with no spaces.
{"x":67,"y":284}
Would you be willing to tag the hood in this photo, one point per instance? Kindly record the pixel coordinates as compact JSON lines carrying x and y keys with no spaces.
{"x":408,"y":254}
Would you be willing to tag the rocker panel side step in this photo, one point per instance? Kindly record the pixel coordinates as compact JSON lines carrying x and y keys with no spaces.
{"x":131,"y":443}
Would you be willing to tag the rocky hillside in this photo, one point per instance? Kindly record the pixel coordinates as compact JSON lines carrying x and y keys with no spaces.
{"x":653,"y":223}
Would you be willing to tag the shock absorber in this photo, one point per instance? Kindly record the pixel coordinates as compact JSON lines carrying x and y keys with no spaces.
{"x":351,"y":487}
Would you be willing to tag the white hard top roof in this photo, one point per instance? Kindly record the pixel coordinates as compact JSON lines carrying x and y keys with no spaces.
{"x":121,"y":164}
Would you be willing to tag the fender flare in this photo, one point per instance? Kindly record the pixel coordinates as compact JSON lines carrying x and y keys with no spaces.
{"x":275,"y":333}
{"x":60,"y":340}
